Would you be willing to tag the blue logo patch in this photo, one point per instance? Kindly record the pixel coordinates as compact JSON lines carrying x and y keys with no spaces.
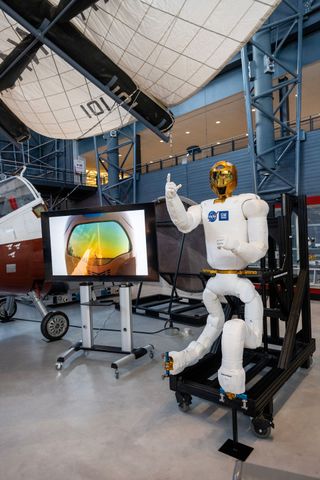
{"x":224,"y":215}
{"x":212,"y":216}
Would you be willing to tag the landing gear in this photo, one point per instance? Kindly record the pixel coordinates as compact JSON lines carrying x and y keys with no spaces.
{"x":8,"y":309}
{"x":54,"y":325}
{"x":261,"y":426}
{"x":184,"y":401}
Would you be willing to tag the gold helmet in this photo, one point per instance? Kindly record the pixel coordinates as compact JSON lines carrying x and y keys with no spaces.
{"x":223,"y":180}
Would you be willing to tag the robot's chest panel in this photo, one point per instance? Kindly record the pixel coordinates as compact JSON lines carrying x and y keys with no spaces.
{"x":224,"y":217}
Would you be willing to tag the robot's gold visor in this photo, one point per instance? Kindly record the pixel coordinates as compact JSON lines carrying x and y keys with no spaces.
{"x":98,"y":243}
{"x":221,"y":177}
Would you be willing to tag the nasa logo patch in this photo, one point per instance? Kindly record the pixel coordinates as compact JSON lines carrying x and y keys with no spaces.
{"x":212,"y":216}
{"x":224,"y":215}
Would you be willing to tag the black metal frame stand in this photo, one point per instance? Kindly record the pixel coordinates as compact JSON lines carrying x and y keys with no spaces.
{"x":173,"y":308}
{"x":285,"y":297}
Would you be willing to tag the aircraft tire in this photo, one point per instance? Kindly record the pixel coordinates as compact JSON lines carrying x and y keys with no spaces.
{"x":4,"y":317}
{"x":54,"y":325}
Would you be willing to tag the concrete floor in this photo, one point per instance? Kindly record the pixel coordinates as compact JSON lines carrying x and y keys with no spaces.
{"x":82,"y":423}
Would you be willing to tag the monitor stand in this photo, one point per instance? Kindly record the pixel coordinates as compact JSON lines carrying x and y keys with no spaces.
{"x":87,"y":342}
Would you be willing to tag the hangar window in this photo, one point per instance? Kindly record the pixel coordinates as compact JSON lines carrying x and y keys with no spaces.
{"x":14,"y":194}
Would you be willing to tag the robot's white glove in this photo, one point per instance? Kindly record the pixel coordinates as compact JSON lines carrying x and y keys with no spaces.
{"x":228,"y":243}
{"x":171,"y":187}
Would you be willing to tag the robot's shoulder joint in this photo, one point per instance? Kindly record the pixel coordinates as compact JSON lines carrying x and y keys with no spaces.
{"x":253,"y":206}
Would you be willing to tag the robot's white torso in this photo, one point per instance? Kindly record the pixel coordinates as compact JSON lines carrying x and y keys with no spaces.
{"x":225,"y":219}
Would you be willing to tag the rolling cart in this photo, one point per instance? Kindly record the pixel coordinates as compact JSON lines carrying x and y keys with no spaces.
{"x":285,"y":297}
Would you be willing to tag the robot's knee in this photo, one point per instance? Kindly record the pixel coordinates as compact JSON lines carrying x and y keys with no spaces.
{"x":215,"y":322}
{"x":235,"y":328}
{"x":209,"y":296}
{"x":247,"y":292}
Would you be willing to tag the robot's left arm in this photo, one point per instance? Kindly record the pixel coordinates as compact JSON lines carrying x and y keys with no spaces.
{"x":255,"y":211}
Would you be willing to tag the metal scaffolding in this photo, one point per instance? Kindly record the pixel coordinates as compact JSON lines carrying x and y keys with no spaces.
{"x":270,"y":79}
{"x":44,"y":158}
{"x":121,"y":186}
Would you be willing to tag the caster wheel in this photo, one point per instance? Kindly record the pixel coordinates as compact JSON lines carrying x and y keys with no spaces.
{"x":58,"y":366}
{"x":4,"y":317}
{"x":184,"y":407}
{"x":116,"y":374}
{"x":261,"y":427}
{"x":184,"y":401}
{"x":54,"y":325}
{"x":308,"y":363}
{"x":151,"y":354}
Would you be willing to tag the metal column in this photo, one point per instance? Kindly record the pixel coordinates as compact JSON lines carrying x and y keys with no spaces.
{"x":121,"y":187}
{"x":263,"y":70}
{"x":276,"y":138}
{"x":126,"y":317}
{"x":113,"y":165}
{"x":86,"y":314}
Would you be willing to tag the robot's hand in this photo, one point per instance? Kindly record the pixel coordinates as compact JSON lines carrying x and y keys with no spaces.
{"x":171,"y":187}
{"x":228,"y":243}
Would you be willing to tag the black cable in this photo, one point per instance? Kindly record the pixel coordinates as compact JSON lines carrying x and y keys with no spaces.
{"x":108,"y":329}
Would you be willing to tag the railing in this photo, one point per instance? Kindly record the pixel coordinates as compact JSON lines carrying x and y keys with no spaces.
{"x":308,"y":124}
{"x":36,"y":172}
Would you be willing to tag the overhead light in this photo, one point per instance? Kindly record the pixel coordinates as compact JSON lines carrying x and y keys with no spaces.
{"x":170,"y":156}
{"x":161,"y":141}
{"x":218,"y":143}
{"x":218,"y":121}
{"x":253,"y":109}
{"x":151,"y":161}
{"x":187,"y":133}
{"x":247,"y":134}
{"x":120,"y":154}
{"x":296,"y":95}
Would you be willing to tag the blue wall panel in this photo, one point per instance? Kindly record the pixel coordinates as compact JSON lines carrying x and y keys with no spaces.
{"x":194,"y":176}
{"x":310,"y":168}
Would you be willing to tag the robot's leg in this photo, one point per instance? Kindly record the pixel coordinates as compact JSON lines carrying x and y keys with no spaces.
{"x":197,"y":349}
{"x":253,"y":314}
{"x":231,"y":374}
{"x":211,"y":301}
{"x":238,"y":334}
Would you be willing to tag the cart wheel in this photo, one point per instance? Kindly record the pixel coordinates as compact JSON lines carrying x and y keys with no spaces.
{"x":4,"y":317}
{"x":184,"y":407}
{"x":151,"y":354}
{"x":54,"y":325}
{"x":184,"y":401}
{"x":308,"y":363}
{"x":117,"y":374}
{"x":58,"y":366}
{"x":261,"y":427}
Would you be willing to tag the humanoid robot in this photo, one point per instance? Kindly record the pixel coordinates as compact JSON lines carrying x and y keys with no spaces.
{"x":236,"y":234}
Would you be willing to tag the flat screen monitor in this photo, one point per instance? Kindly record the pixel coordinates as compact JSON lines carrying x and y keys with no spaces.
{"x":112,"y":243}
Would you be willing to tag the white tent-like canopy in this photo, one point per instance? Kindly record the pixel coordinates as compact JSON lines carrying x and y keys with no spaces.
{"x":166,"y":49}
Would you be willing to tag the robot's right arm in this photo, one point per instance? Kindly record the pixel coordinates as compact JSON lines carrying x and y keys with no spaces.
{"x":185,"y":221}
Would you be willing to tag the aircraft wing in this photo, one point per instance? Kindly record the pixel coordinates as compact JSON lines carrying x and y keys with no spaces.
{"x":72,"y":69}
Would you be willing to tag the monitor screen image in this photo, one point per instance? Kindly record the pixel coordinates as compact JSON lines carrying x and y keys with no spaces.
{"x":114,"y":243}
